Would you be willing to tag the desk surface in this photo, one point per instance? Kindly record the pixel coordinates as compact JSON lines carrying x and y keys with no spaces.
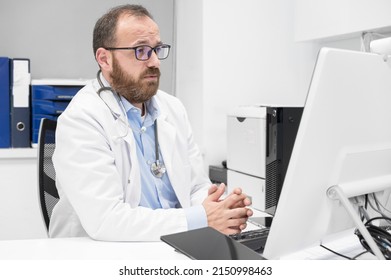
{"x":86,"y":249}
{"x":82,"y":248}
{"x":345,"y":243}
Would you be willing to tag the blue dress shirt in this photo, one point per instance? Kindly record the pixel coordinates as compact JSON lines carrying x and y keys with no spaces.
{"x":156,"y":192}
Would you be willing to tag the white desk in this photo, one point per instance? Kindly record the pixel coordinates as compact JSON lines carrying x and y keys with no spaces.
{"x":84,"y":248}
{"x":84,"y":258}
{"x":345,"y":243}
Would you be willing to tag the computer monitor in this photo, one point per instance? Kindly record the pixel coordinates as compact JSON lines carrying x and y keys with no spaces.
{"x":344,"y":137}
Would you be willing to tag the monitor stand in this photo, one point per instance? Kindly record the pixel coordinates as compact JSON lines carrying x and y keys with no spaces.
{"x":344,"y":191}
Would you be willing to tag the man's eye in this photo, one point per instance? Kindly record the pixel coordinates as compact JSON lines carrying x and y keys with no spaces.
{"x":140,"y":51}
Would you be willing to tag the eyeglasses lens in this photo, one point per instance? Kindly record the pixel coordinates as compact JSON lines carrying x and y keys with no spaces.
{"x":145,"y":52}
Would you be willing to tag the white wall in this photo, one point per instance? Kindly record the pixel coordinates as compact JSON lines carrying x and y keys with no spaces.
{"x":319,"y":19}
{"x":57,"y":35}
{"x":189,"y":62}
{"x":245,"y":54}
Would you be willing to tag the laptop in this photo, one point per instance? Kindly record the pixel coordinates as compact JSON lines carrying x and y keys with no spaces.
{"x":209,"y":244}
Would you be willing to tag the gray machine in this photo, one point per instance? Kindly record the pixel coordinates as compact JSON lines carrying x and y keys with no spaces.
{"x":260,"y":143}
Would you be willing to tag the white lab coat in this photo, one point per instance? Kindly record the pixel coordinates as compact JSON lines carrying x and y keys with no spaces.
{"x":97,"y":172}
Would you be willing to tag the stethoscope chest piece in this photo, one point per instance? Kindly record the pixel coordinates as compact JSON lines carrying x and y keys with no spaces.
{"x":158,"y":169}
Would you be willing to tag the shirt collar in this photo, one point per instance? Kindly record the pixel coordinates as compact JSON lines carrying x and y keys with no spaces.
{"x":151,"y":106}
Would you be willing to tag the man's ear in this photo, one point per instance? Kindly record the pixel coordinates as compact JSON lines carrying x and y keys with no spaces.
{"x":104,"y":59}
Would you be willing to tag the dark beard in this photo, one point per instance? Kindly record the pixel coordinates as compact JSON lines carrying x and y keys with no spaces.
{"x":135,"y":91}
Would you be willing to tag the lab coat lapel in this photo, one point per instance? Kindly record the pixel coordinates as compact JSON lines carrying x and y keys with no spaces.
{"x":168,"y":147}
{"x":132,"y":194}
{"x":167,"y":136}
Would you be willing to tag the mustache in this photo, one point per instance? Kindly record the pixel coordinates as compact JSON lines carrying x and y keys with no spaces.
{"x":151,"y":71}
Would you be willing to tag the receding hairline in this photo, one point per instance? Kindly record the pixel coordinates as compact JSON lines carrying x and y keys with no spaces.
{"x":106,"y":26}
{"x":132,"y":10}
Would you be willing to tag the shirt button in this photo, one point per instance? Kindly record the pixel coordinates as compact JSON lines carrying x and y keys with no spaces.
{"x":143,"y":129}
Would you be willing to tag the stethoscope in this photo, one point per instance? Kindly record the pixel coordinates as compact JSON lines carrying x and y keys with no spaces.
{"x":157,"y":168}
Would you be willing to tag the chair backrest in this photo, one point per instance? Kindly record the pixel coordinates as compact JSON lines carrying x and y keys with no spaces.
{"x":48,"y":194}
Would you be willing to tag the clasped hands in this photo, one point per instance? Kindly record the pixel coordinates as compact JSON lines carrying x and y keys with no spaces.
{"x":228,"y":215}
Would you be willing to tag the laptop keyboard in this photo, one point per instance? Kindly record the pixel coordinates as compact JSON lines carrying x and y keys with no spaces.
{"x":254,"y":239}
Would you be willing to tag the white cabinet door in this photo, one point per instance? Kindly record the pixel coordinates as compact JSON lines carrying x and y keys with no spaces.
{"x":20,"y":215}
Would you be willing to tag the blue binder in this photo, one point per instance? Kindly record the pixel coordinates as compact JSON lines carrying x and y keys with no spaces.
{"x":20,"y":109}
{"x":49,"y":98}
{"x":47,"y":92}
{"x":48,"y":107}
{"x":5,"y":122}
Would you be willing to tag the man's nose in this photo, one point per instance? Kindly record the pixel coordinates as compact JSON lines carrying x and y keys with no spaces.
{"x":154,"y":61}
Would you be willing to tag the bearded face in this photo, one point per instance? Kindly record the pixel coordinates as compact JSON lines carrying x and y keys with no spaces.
{"x":135,"y":89}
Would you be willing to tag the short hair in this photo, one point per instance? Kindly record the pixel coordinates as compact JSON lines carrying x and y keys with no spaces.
{"x":105,"y":27}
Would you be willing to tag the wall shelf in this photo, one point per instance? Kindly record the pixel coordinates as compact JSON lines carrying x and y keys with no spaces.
{"x":18,"y":153}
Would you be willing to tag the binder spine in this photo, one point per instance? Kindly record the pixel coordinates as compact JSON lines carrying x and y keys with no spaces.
{"x":20,"y":109}
{"x":49,"y":98}
{"x":5,"y":99}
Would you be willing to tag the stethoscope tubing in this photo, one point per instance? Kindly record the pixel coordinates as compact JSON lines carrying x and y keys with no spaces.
{"x":157,"y":169}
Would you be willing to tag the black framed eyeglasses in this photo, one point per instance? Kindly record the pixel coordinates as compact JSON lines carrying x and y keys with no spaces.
{"x":144,"y":52}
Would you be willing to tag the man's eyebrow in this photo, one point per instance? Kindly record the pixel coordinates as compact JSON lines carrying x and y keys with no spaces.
{"x":145,"y":42}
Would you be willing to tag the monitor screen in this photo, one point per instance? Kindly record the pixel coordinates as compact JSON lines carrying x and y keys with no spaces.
{"x":344,"y":137}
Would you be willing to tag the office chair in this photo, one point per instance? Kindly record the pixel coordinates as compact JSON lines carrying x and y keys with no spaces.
{"x":48,"y":194}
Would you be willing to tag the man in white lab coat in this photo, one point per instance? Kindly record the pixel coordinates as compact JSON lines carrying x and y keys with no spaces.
{"x":126,"y":164}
